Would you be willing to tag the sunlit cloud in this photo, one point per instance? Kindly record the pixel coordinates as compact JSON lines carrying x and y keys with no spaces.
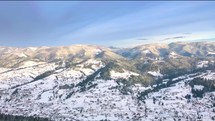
{"x":182,"y":37}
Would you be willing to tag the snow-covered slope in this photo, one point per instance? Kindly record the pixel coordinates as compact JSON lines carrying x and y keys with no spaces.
{"x":92,"y":83}
{"x":77,"y":94}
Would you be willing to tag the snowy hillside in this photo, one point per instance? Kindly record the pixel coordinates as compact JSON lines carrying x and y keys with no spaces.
{"x":91,"y":83}
{"x":63,"y":95}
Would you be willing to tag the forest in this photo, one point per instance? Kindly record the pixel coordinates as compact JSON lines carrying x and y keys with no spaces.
{"x":7,"y":117}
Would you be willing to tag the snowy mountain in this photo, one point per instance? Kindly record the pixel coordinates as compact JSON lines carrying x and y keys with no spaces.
{"x":154,"y":82}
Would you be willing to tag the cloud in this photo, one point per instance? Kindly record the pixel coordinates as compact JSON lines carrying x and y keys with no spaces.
{"x":142,"y":39}
{"x":180,"y":37}
{"x":165,"y":21}
{"x":174,"y":38}
{"x":105,"y":23}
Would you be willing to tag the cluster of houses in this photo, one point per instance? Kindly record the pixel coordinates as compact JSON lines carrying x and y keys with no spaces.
{"x":57,"y":97}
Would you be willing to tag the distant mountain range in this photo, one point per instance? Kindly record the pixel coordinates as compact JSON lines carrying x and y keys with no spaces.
{"x":69,"y":53}
{"x":164,"y":58}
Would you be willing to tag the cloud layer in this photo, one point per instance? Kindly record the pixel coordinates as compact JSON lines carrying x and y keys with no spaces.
{"x":104,"y":23}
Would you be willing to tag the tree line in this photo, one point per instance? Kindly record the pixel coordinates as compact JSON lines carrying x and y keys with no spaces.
{"x":7,"y":117}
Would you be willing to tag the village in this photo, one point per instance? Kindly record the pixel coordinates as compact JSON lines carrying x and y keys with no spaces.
{"x":57,"y":97}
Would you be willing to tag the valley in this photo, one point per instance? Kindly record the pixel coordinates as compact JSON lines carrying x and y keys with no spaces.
{"x":83,"y":82}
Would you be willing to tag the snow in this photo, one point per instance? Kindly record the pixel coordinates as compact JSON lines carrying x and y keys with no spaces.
{"x":198,"y":87}
{"x":180,"y":77}
{"x":173,"y":55}
{"x":94,"y":64}
{"x":210,"y":75}
{"x":173,"y":99}
{"x":45,"y":98}
{"x":146,"y":51}
{"x":202,"y":64}
{"x":32,"y":48}
{"x":3,"y":69}
{"x":87,"y":71}
{"x":155,"y":73}
{"x":31,"y":63}
{"x":93,"y":61}
{"x":212,"y":53}
{"x":22,"y":55}
{"x":98,"y":51}
{"x":4,"y":86}
{"x":23,"y":75}
{"x":125,"y":74}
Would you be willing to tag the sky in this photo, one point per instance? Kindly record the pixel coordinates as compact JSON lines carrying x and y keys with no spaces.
{"x":106,"y":23}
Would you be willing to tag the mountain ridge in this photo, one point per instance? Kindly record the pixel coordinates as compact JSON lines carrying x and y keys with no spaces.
{"x":82,"y":82}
